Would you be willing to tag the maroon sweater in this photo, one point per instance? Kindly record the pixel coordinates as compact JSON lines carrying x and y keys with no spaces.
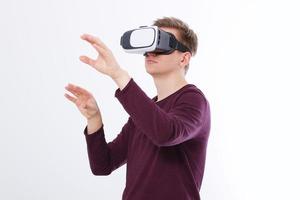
{"x":163,"y":143}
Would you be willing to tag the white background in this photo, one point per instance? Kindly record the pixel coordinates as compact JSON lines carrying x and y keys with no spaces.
{"x":247,"y":65}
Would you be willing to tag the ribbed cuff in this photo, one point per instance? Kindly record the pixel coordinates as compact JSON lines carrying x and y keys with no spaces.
{"x":119,"y":92}
{"x":100,"y":131}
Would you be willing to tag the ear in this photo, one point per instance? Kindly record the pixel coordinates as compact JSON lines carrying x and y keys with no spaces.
{"x":185,"y":58}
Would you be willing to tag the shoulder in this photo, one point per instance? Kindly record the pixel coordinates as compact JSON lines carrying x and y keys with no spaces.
{"x":192,"y":95}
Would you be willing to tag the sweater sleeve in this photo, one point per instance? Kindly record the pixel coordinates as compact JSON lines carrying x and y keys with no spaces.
{"x":106,"y":157}
{"x":183,"y":122}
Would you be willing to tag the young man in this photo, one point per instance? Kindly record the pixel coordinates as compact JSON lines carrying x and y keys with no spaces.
{"x":164,"y":141}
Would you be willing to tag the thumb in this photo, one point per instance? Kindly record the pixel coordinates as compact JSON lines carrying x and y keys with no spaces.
{"x":87,"y":60}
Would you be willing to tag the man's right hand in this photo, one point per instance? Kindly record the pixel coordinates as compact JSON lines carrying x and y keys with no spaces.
{"x":87,"y":105}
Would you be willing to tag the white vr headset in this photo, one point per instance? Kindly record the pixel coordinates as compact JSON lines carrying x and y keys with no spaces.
{"x":147,"y":39}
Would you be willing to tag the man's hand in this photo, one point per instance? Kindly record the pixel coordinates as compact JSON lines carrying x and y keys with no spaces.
{"x":87,"y":105}
{"x":84,"y":101}
{"x":105,"y":62}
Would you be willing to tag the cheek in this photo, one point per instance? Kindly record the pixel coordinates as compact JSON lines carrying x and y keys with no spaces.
{"x":172,"y":61}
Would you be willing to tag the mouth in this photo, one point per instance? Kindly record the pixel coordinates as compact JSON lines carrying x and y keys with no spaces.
{"x":149,"y":61}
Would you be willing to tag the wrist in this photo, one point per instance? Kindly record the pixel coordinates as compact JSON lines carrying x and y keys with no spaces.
{"x":121,"y":78}
{"x":94,"y":123}
{"x":118,"y":73}
{"x":94,"y":119}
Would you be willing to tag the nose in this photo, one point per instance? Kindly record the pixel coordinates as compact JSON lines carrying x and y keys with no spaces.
{"x":147,"y":54}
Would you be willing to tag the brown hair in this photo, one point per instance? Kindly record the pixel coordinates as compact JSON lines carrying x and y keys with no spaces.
{"x":186,"y":35}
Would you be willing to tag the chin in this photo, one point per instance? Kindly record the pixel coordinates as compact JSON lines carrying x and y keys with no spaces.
{"x":151,"y":71}
{"x":154,"y":72}
{"x":150,"y":68}
{"x":154,"y":69}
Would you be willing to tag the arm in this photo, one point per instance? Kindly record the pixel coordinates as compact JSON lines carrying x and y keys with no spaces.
{"x":106,"y":157}
{"x":185,"y":121}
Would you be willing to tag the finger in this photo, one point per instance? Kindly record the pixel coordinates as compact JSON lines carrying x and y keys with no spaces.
{"x":88,"y":60}
{"x":73,"y":91}
{"x":78,"y":90}
{"x":82,"y":90}
{"x":71,"y":85}
{"x":72,"y":99}
{"x":103,"y":52}
{"x":93,"y":40}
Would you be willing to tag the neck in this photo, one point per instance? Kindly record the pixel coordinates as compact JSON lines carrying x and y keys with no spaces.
{"x":167,"y":84}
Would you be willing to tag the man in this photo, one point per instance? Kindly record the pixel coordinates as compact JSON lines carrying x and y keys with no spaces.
{"x":165,"y":138}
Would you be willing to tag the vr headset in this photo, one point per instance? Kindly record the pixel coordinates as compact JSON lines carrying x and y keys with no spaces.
{"x":148,"y":39}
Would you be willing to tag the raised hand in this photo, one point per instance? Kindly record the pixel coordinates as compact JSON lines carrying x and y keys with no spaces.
{"x":105,"y":62}
{"x":84,"y":101}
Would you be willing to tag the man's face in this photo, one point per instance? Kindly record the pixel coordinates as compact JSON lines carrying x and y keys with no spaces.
{"x":163,"y":64}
